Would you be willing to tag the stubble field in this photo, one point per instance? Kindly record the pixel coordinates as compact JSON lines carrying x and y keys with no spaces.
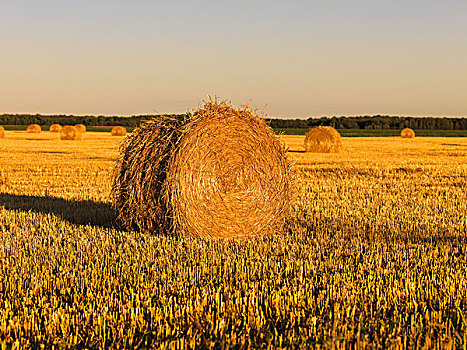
{"x":374,"y":255}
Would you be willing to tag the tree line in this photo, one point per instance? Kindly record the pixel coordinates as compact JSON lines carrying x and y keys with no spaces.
{"x":343,"y":122}
{"x":374,"y":122}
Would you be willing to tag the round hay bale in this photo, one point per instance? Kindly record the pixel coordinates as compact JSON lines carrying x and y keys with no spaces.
{"x":323,"y":139}
{"x":55,"y":128}
{"x":81,"y":128}
{"x":70,"y":132}
{"x":221,"y":173}
{"x":407,"y":133}
{"x":34,"y":128}
{"x":118,"y":131}
{"x":229,"y":176}
{"x":2,"y":132}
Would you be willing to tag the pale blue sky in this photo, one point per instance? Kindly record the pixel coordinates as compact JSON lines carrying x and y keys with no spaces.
{"x":301,"y":58}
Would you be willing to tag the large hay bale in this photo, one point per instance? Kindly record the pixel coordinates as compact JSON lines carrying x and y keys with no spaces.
{"x":118,"y":131}
{"x":81,"y":128}
{"x":220,"y":173}
{"x":2,"y":132}
{"x":34,"y":128}
{"x":407,"y":133}
{"x":55,"y":128}
{"x":323,"y":139}
{"x":70,"y":132}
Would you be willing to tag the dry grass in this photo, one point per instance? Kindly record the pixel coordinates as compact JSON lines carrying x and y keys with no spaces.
{"x":407,"y":133}
{"x":375,"y":256}
{"x":70,"y":132}
{"x":2,"y":132}
{"x":118,"y":131}
{"x":55,"y":128}
{"x":323,"y":139}
{"x":81,"y":128}
{"x":34,"y":129}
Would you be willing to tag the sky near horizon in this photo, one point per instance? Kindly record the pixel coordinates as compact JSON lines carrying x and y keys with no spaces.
{"x":297,"y":58}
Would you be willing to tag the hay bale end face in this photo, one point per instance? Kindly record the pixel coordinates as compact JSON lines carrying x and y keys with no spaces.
{"x":55,"y":128}
{"x":2,"y":132}
{"x":220,"y":173}
{"x":118,"y":131}
{"x":81,"y":128}
{"x":34,"y":128}
{"x":323,"y":139}
{"x":407,"y":133}
{"x":70,"y":132}
{"x":229,"y":176}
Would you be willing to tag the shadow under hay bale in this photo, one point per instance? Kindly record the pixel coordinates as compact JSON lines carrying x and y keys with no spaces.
{"x":70,"y":132}
{"x":76,"y":212}
{"x":55,"y":128}
{"x":323,"y":139}
{"x":118,"y":131}
{"x":34,"y":129}
{"x":219,"y":173}
{"x":407,"y":133}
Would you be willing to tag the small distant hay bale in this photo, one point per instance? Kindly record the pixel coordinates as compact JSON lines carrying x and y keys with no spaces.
{"x":219,"y":173}
{"x":81,"y":128}
{"x":323,"y":139}
{"x":70,"y":132}
{"x":118,"y":131}
{"x":2,"y":132}
{"x":407,"y":133}
{"x":34,"y":128}
{"x":55,"y":128}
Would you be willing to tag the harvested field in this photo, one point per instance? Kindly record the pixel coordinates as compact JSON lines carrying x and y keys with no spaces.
{"x":374,"y":255}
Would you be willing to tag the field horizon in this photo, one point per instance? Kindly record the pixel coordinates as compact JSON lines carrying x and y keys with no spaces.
{"x":296,"y":131}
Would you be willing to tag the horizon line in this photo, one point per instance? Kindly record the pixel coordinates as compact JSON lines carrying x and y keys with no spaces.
{"x":267,"y":116}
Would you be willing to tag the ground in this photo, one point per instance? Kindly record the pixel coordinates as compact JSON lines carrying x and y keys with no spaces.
{"x":374,"y":255}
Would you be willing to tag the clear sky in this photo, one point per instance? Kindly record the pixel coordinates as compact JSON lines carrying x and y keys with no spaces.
{"x":300,"y":58}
